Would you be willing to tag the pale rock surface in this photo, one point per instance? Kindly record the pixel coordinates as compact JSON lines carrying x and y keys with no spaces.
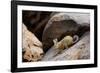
{"x":32,"y":47}
{"x":80,"y":50}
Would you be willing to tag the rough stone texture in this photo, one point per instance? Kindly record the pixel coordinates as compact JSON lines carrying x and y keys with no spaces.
{"x":35,"y":21}
{"x":63,"y":24}
{"x":58,"y":26}
{"x":32,"y":47}
{"x":80,"y":50}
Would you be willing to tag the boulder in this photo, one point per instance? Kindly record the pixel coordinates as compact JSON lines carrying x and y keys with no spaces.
{"x":79,"y":51}
{"x":32,"y":47}
{"x":63,"y":24}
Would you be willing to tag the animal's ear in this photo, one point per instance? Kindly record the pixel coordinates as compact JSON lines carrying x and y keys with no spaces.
{"x":55,"y":41}
{"x":75,"y":38}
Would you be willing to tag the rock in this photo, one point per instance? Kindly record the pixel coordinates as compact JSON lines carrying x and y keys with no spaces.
{"x":80,"y":50}
{"x":36,"y":21}
{"x":32,"y":47}
{"x":63,"y":24}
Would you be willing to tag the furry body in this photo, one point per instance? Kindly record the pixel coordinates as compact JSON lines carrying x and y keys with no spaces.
{"x":66,"y":42}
